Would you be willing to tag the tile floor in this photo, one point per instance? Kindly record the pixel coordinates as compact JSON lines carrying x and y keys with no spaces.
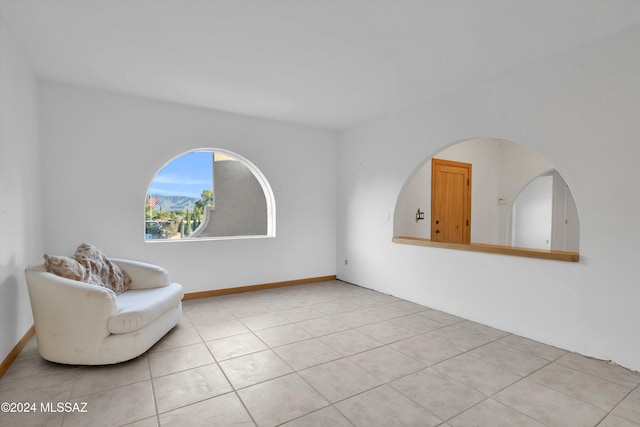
{"x":328,"y":354}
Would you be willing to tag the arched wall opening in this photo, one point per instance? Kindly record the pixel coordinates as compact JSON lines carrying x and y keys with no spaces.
{"x":545,"y":215}
{"x":501,"y":171}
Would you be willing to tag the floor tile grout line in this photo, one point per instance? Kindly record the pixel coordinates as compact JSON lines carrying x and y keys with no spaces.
{"x":153,"y":389}
{"x":388,"y":344}
{"x":320,"y":364}
{"x":297,"y":372}
{"x":465,"y":385}
{"x":109,"y":389}
{"x":574,"y":397}
{"x":233,"y":387}
{"x":526,"y":377}
{"x":592,"y":374}
{"x":451,"y":378}
{"x":491,"y":396}
{"x":13,"y":382}
{"x":530,"y":352}
{"x":69,"y":397}
{"x":383,"y":382}
{"x":360,"y":326}
{"x":611,"y":412}
{"x":215,"y":361}
{"x":315,"y":411}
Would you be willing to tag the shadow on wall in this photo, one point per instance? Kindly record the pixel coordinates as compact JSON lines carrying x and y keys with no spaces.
{"x":505,"y":175}
{"x":8,"y":308}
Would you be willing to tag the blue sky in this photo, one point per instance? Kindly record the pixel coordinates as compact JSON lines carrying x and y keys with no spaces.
{"x":186,"y":175}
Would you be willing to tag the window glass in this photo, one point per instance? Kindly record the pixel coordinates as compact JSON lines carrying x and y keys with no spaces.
{"x":208,"y":194}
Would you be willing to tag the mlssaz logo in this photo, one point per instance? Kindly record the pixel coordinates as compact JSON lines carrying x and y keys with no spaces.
{"x":63,"y":407}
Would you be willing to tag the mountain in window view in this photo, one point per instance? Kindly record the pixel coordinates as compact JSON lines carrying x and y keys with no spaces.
{"x":174,"y":203}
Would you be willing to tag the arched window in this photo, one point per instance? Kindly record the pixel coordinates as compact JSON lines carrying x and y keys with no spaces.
{"x":209,"y":194}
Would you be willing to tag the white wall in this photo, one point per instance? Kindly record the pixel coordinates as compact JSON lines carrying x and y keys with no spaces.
{"x":580,"y":111}
{"x":101,"y":151}
{"x":21,"y":204}
{"x":532,"y":214}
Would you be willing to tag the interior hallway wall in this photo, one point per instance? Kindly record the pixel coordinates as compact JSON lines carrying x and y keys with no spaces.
{"x":580,"y":111}
{"x":21,"y":206}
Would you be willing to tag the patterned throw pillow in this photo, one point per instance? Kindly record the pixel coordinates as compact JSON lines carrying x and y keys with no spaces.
{"x":101,"y":271}
{"x":65,"y":266}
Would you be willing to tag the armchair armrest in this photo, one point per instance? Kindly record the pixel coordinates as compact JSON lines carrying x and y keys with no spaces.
{"x":67,"y":312}
{"x":144,"y":275}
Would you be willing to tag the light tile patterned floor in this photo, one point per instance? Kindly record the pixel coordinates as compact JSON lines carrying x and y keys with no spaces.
{"x":329,"y":354}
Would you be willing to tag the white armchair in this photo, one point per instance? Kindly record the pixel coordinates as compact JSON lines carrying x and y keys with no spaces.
{"x":83,"y":324}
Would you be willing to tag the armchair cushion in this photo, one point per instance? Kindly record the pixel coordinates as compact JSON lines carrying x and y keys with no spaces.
{"x":142,"y":274}
{"x":65,"y":266}
{"x":89,"y":264}
{"x":102,"y":271}
{"x":139,"y":308}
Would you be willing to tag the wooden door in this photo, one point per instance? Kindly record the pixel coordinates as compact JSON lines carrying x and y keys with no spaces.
{"x":450,"y":201}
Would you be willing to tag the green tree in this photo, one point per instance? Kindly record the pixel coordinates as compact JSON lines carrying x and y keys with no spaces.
{"x":197,"y":216}
{"x":187,"y":229}
{"x":206,"y":199}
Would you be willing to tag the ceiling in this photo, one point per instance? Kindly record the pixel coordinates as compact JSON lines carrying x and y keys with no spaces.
{"x":326,"y":63}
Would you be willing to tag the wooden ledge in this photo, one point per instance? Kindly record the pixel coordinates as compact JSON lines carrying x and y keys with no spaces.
{"x":493,"y":249}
